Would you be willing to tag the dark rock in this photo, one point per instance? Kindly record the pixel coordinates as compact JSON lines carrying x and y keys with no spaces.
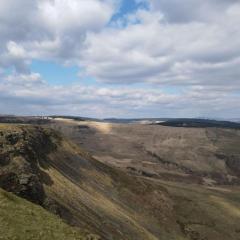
{"x":31,"y":189}
{"x":4,"y":159}
{"x":12,"y":138}
{"x":24,"y":154}
{"x":9,"y":182}
{"x":234,"y":164}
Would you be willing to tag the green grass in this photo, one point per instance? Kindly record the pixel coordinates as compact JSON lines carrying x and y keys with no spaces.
{"x":22,"y":220}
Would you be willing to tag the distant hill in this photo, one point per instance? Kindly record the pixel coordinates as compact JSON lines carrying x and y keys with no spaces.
{"x":174,"y":122}
{"x":23,"y":119}
{"x":133,"y":120}
{"x":235,"y":120}
{"x":199,"y":123}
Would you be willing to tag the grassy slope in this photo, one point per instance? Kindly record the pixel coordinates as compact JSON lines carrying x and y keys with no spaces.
{"x":93,"y":196}
{"x":106,"y":201}
{"x":117,"y":206}
{"x":202,"y":212}
{"x":22,"y":220}
{"x":206,"y":212}
{"x":187,"y":154}
{"x":140,"y":208}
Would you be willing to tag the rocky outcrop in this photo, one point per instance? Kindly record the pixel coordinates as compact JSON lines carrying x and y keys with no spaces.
{"x":23,"y":153}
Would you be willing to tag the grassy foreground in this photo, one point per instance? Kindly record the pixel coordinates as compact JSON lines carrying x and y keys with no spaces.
{"x":22,"y":220}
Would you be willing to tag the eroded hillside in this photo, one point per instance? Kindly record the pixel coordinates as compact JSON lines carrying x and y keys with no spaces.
{"x":207,"y":156}
{"x":41,"y":165}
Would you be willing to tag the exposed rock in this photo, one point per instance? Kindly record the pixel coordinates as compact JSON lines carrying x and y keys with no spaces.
{"x":22,"y":155}
{"x":234,"y":164}
{"x":4,"y":159}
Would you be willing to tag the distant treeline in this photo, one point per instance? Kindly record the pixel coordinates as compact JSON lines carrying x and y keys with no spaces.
{"x":199,"y":123}
{"x":68,"y":117}
{"x":132,"y":120}
{"x":23,"y":120}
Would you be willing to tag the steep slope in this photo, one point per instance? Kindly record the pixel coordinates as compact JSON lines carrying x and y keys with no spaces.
{"x":41,"y":166}
{"x":201,"y":155}
{"x":44,"y":167}
{"x":106,"y":201}
{"x":22,"y":220}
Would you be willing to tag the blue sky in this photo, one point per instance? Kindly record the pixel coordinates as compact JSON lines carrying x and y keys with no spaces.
{"x":128,"y":7}
{"x":57,"y":73}
{"x":124,"y":58}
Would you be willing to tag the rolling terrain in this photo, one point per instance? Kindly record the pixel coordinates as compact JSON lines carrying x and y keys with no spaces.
{"x":122,"y":181}
{"x":197,"y":155}
{"x":45,"y":168}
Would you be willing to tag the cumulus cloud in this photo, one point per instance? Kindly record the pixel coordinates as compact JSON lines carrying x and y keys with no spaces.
{"x":191,"y":10}
{"x":190,"y":45}
{"x":48,"y":29}
{"x":196,"y":52}
{"x":30,"y":95}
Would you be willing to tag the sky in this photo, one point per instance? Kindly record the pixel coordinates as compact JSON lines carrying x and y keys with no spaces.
{"x":120,"y":58}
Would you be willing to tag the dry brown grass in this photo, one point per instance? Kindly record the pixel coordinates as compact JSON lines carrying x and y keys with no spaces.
{"x":160,"y":151}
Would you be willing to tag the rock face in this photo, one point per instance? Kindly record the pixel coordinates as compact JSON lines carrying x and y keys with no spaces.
{"x":22,"y":152}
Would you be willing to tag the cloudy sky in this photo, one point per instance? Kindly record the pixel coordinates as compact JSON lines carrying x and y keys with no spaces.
{"x":120,"y":58}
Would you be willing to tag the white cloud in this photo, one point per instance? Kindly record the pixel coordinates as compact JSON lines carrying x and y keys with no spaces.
{"x":195,"y":52}
{"x":49,"y":29}
{"x":24,"y":80}
{"x":190,"y":45}
{"x":75,"y":15}
{"x":191,"y":10}
{"x":16,"y":50}
{"x":29,"y":94}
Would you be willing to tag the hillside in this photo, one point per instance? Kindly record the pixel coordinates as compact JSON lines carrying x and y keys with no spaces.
{"x":41,"y":165}
{"x":22,"y":220}
{"x":207,"y":156}
{"x":199,"y":123}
